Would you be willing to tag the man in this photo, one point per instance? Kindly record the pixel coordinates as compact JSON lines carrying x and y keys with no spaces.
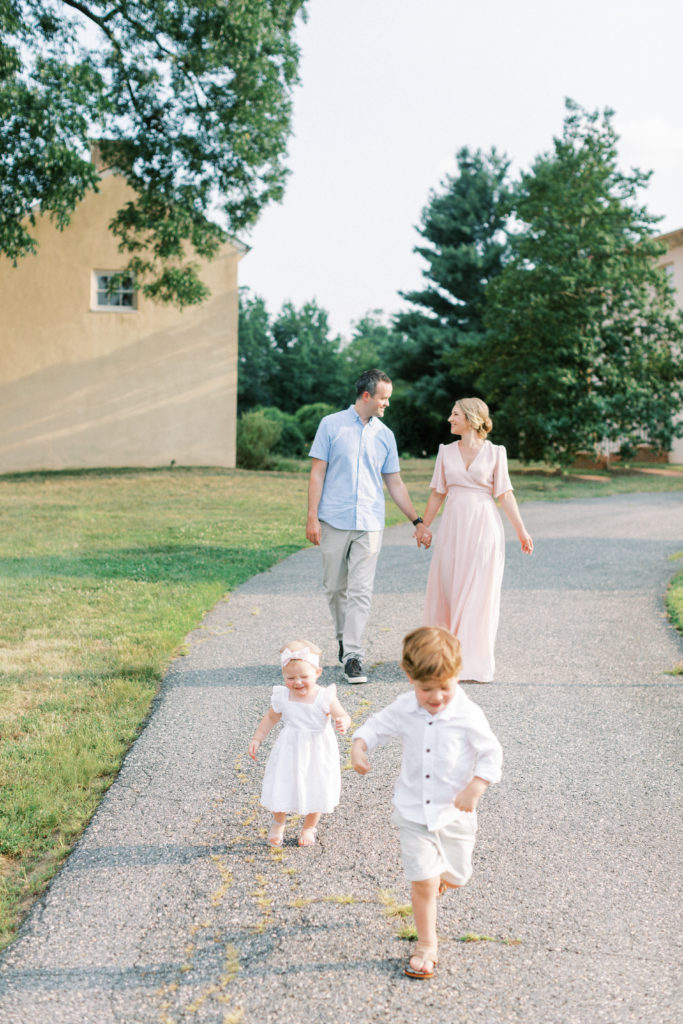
{"x":352,"y":453}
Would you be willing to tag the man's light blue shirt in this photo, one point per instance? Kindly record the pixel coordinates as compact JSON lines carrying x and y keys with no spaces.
{"x":357,"y":455}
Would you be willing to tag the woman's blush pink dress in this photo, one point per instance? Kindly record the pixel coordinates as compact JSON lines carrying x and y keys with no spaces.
{"x":466,"y":574}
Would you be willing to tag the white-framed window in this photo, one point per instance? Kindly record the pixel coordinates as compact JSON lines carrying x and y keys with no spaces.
{"x":120,"y":299}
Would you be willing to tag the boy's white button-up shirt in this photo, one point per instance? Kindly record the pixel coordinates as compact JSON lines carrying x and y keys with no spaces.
{"x":441,"y":754}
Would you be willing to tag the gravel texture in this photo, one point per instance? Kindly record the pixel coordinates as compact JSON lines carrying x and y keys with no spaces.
{"x":173,"y":909}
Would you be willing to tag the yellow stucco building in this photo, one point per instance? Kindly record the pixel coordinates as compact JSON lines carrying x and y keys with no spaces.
{"x":91,"y":379}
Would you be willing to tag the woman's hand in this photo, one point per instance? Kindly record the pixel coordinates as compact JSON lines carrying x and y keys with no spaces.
{"x":526,"y":542}
{"x":424,"y":537}
{"x":511,"y":510}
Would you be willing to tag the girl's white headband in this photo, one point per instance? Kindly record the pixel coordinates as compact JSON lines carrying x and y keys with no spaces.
{"x":302,"y":654}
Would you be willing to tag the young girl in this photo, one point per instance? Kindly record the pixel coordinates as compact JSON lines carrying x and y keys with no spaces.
{"x":302,"y":773}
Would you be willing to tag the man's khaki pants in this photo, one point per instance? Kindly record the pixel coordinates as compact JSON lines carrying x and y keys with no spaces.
{"x":349,"y":564}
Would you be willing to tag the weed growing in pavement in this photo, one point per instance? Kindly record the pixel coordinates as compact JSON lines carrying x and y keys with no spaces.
{"x":402,"y":911}
{"x":345,"y":900}
{"x":358,"y":716}
{"x":226,"y":877}
{"x":474,"y":937}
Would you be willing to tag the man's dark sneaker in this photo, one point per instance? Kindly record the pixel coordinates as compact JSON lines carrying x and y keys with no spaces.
{"x":354,"y":671}
{"x":341,"y":652}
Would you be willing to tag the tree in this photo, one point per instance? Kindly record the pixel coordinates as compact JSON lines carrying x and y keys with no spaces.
{"x":289,"y":360}
{"x":258,"y":360}
{"x":191,"y":101}
{"x":372,"y":339}
{"x":307,"y":358}
{"x":585,"y":343}
{"x":309,"y":416}
{"x":463,"y":227}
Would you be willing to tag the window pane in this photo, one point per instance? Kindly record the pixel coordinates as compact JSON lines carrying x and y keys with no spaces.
{"x":122,"y":297}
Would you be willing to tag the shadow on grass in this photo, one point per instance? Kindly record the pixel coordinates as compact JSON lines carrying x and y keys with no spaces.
{"x":165,"y":564}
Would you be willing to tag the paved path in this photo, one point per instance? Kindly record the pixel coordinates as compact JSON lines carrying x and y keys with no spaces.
{"x":171,"y":908}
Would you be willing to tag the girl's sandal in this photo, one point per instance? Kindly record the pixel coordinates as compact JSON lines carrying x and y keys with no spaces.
{"x":276,"y":834}
{"x":426,"y":952}
{"x":310,"y":840}
{"x":445,"y":886}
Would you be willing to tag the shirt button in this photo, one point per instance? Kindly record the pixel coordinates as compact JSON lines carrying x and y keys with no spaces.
{"x":428,"y":751}
{"x":427,"y":801}
{"x":427,"y":776}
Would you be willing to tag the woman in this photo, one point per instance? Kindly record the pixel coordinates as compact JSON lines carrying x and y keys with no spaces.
{"x":465,"y":577}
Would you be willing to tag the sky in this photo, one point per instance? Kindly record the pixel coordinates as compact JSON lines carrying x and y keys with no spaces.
{"x":391,"y":89}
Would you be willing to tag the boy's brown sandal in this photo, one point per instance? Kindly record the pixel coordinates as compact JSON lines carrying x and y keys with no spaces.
{"x":427,"y":952}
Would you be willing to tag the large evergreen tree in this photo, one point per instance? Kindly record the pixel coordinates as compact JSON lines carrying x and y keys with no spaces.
{"x":309,"y":363}
{"x":258,"y":363}
{"x":372,"y":342}
{"x":190,"y":101}
{"x":584,"y":340}
{"x":464,"y":245}
{"x":288,"y":360}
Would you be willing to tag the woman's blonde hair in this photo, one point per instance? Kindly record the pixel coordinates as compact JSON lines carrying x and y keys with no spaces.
{"x":476,"y":413}
{"x":431,"y":653}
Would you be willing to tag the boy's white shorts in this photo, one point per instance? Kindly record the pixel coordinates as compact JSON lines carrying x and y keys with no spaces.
{"x":445,"y":853}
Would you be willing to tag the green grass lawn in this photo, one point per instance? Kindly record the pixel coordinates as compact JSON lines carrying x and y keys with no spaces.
{"x":104,"y":573}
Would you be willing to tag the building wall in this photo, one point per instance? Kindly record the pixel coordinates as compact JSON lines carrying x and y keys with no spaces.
{"x":673,"y":261}
{"x":84,"y":388}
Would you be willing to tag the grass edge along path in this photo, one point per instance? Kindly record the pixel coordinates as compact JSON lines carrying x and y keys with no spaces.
{"x":104,"y":574}
{"x":674,"y":605}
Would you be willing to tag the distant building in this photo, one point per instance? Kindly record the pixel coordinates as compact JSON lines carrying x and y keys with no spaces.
{"x":93,"y":379}
{"x":672,"y":261}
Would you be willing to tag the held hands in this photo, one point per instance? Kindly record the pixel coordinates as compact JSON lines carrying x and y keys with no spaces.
{"x":422,"y":536}
{"x":468,"y":798}
{"x":359,"y":757}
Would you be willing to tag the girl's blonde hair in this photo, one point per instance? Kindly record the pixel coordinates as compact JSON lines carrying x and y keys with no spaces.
{"x":476,"y":413}
{"x":431,"y":653}
{"x":299,"y":645}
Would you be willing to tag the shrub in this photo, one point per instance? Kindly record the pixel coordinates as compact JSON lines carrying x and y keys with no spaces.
{"x":309,"y":416}
{"x":256,"y":438}
{"x":292,"y":441}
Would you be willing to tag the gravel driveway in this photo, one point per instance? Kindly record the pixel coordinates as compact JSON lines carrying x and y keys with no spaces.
{"x":173,"y":909}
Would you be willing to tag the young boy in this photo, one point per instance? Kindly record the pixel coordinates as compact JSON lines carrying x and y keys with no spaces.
{"x":449,"y":758}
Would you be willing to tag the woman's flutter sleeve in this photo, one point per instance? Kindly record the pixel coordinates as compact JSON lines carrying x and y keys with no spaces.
{"x":501,"y":476}
{"x":439,"y":476}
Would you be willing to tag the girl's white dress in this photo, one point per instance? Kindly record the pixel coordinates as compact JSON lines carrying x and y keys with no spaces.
{"x":302,"y":774}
